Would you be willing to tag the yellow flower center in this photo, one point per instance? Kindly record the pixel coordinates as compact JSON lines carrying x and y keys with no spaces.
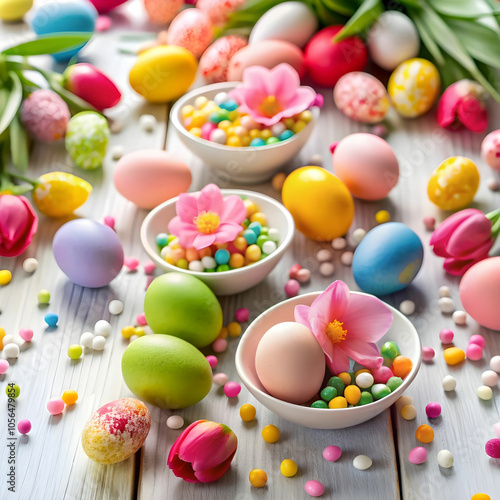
{"x":207,"y":222}
{"x":270,"y":106}
{"x":335,"y":332}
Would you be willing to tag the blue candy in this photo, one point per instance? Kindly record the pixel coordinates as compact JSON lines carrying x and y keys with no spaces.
{"x":255,"y":227}
{"x":222,"y":256}
{"x":285,"y":135}
{"x":258,"y":142}
{"x":229,"y":105}
{"x":51,"y":319}
{"x":250,"y":236}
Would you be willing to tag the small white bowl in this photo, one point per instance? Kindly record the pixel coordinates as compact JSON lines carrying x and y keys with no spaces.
{"x":245,"y":165}
{"x":235,"y":280}
{"x":402,"y":332}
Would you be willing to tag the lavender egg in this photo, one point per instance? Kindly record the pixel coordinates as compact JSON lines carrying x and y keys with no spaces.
{"x":88,"y":253}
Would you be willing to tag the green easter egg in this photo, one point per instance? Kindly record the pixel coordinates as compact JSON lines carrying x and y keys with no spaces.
{"x":166,"y":371}
{"x":183,"y":306}
{"x":87,"y":138}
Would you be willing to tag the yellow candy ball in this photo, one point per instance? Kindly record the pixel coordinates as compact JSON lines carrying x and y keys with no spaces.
{"x":454,"y":183}
{"x":233,"y":115}
{"x":251,"y":207}
{"x":224,"y":125}
{"x":289,"y":122}
{"x":240,"y":243}
{"x":480,"y":496}
{"x":338,"y":402}
{"x":200,"y":101}
{"x":266,"y":134}
{"x":299,"y":126}
{"x":236,"y":261}
{"x":382,"y":216}
{"x":270,"y":433}
{"x":352,"y":394}
{"x":259,"y":217}
{"x":223,"y":333}
{"x":234,"y":328}
{"x":253,"y":253}
{"x":230,"y":130}
{"x":258,"y":478}
{"x":5,"y":277}
{"x":453,"y":355}
{"x":320,"y":203}
{"x":198,"y":119}
{"x":345,"y":377}
{"x":234,"y":141}
{"x":408,"y":412}
{"x":139,"y":331}
{"x":2,"y":335}
{"x":69,"y":397}
{"x":187,"y":111}
{"x":362,"y":370}
{"x":196,"y":131}
{"x":245,"y":141}
{"x":247,"y":412}
{"x":306,"y":116}
{"x":288,"y":468}
{"x":182,"y":263}
{"x":278,"y":181}
{"x":127,"y":332}
{"x":254,"y":133}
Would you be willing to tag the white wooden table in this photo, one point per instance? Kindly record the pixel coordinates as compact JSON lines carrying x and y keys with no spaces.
{"x":50,"y":461}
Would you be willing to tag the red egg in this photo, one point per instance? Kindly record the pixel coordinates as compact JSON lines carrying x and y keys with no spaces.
{"x":327,"y":61}
{"x":103,"y":6}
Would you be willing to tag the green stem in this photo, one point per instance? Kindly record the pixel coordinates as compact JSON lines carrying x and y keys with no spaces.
{"x":493,"y":216}
{"x":21,"y":177}
{"x":495,"y":230}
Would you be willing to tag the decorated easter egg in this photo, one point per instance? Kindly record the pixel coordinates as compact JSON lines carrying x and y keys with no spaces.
{"x":219,"y":10}
{"x":292,"y":22}
{"x":319,"y":202}
{"x":214,"y":62}
{"x":87,"y":138}
{"x":367,"y":165}
{"x":387,"y":259}
{"x":191,"y":29}
{"x":88,"y":253}
{"x":327,"y":61}
{"x":413,"y":87}
{"x":268,"y":53}
{"x":162,"y":12}
{"x":480,"y":292}
{"x":166,"y":371}
{"x":393,"y":39}
{"x":58,"y":17}
{"x":103,"y":6}
{"x":181,"y":305}
{"x":361,"y":97}
{"x":163,"y":73}
{"x":14,"y":10}
{"x":116,"y":431}
{"x":290,"y":363}
{"x":150,"y":177}
{"x":490,"y":149}
{"x":454,"y":183}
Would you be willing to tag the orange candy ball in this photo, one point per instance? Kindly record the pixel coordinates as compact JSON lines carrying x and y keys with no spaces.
{"x":453,"y":355}
{"x":352,"y":393}
{"x":424,"y":434}
{"x":401,"y":366}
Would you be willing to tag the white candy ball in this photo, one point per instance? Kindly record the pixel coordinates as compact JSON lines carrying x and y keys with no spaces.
{"x":277,"y":129}
{"x":404,"y":401}
{"x":147,"y":123}
{"x":489,"y":378}
{"x":326,"y":269}
{"x":445,"y":459}
{"x":495,"y":363}
{"x":8,"y":339}
{"x":115,"y":307}
{"x":30,"y":265}
{"x":269,"y":247}
{"x":362,"y":462}
{"x":200,"y":101}
{"x":273,"y":234}
{"x":444,"y":291}
{"x":221,"y":97}
{"x":175,"y":422}
{"x":459,"y":317}
{"x":493,"y":184}
{"x":407,"y":307}
{"x":86,"y":339}
{"x":339,"y":243}
{"x":117,"y":152}
{"x":449,"y":383}
{"x":323,"y":255}
{"x":446,"y":305}
{"x":358,"y":234}
{"x":219,"y":136}
{"x":165,"y":251}
{"x":208,"y":262}
{"x":364,"y":380}
{"x":102,"y":327}
{"x":196,"y":266}
{"x":98,"y":343}
{"x":484,"y":392}
{"x":11,"y":350}
{"x":346,"y":258}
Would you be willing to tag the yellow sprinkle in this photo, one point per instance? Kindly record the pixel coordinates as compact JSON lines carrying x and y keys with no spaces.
{"x":128,"y":331}
{"x":5,"y":277}
{"x":382,"y":216}
{"x":234,"y":329}
{"x":140,"y":332}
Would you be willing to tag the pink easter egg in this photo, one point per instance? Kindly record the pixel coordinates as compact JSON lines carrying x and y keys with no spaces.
{"x":161,"y":11}
{"x":218,"y":10}
{"x":490,"y":149}
{"x":418,"y":455}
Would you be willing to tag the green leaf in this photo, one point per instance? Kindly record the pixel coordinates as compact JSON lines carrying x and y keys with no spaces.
{"x":19,"y":145}
{"x":345,"y":8}
{"x":426,"y":37}
{"x":75,"y":103}
{"x":13,"y":103}
{"x":462,"y":9}
{"x":364,"y":17}
{"x":49,"y":44}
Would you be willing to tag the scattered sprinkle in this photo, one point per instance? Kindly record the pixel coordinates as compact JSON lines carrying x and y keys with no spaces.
{"x":459,"y":317}
{"x":175,"y":422}
{"x":362,"y":462}
{"x":115,"y":307}
{"x":30,"y":265}
{"x":147,"y":123}
{"x":407,"y":307}
{"x":339,"y":243}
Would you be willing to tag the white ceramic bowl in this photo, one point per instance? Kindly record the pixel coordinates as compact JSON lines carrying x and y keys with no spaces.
{"x":248,"y":165}
{"x":402,"y":332}
{"x":235,"y":280}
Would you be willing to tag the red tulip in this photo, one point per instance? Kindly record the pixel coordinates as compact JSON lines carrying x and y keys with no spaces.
{"x":203,"y":452}
{"x":18,"y":224}
{"x":93,"y":86}
{"x":463,"y":102}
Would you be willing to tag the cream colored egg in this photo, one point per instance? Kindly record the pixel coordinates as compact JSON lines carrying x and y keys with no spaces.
{"x":14,"y":10}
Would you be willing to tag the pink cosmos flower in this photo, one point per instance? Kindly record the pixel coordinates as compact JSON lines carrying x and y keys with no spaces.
{"x":463,"y":102}
{"x":207,"y":218}
{"x":463,"y":239}
{"x":346,"y":326}
{"x":203,"y":452}
{"x":269,"y":95}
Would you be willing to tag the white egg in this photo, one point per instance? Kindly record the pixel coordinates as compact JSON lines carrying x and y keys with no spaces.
{"x":292,"y":22}
{"x":393,"y":39}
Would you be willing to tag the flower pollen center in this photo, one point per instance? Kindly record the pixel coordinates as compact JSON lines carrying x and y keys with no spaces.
{"x":270,"y":106}
{"x":335,"y":332}
{"x":207,"y":222}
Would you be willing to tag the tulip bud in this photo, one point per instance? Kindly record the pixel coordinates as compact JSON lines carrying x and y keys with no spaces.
{"x":91,"y":85}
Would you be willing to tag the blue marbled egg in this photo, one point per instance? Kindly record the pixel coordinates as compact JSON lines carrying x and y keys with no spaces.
{"x":56,"y":17}
{"x":387,"y":259}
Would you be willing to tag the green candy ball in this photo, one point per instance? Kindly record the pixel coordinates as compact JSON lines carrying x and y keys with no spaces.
{"x":183,"y":306}
{"x":393,"y":383}
{"x":328,"y":393}
{"x":319,"y":404}
{"x":390,"y":350}
{"x":380,"y":391}
{"x":338,"y":384}
{"x":12,"y":390}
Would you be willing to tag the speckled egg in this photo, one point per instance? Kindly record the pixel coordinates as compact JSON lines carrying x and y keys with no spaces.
{"x":191,"y":29}
{"x":218,"y":10}
{"x":490,"y":149}
{"x":361,"y":97}
{"x":150,"y":177}
{"x":367,"y":165}
{"x":214,"y":62}
{"x":162,"y":12}
{"x":480,"y":292}
{"x":413,"y":87}
{"x":116,"y":431}
{"x":387,"y":259}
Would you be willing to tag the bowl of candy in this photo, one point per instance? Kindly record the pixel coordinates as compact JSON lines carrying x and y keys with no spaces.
{"x":329,"y":360}
{"x":231,"y":239}
{"x":246,"y":142}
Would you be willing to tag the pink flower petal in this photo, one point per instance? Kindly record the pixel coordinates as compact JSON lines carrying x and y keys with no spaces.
{"x":366,"y":318}
{"x":256,"y":77}
{"x":283,"y":82}
{"x":480,"y":252}
{"x":208,"y":476}
{"x":362,"y":352}
{"x":318,"y":328}
{"x":187,"y":207}
{"x":471,"y":233}
{"x":301,"y":101}
{"x":301,"y":315}
{"x":472,"y":114}
{"x":332,"y":303}
{"x":458,"y":267}
{"x":203,"y":241}
{"x":227,"y":231}
{"x":234,"y":210}
{"x":185,"y":231}
{"x":210,"y":199}
{"x":338,"y":362}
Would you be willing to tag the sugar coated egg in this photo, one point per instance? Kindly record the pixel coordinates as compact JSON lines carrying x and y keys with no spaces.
{"x":490,"y":149}
{"x":191,"y":29}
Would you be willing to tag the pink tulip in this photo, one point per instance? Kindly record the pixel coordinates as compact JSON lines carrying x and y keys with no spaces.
{"x":18,"y":224}
{"x":91,"y":85}
{"x":463,"y":102}
{"x":463,"y":239}
{"x":104,"y":6}
{"x":203,"y":452}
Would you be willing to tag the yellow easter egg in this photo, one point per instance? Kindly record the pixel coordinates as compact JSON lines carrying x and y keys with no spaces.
{"x":319,"y":202}
{"x":413,"y":87}
{"x":14,"y":10}
{"x":454,"y":183}
{"x":164,"y":73}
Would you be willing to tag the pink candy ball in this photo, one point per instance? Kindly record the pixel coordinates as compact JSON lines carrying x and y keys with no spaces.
{"x":55,"y":406}
{"x":212,"y":361}
{"x":292,"y":288}
{"x":429,"y":223}
{"x":418,"y":455}
{"x":109,"y":221}
{"x":382,"y":375}
{"x":474,"y":352}
{"x":207,"y":129}
{"x":496,"y":429}
{"x":141,"y":319}
{"x":428,"y":353}
{"x":332,"y":453}
{"x":433,"y":410}
{"x":303,"y":275}
{"x":232,"y":389}
{"x":103,"y":23}
{"x":131,"y":263}
{"x":242,"y":315}
{"x":292,"y":273}
{"x":26,"y":334}
{"x":149,"y":267}
{"x":478,"y":339}
{"x":4,"y":365}
{"x":492,"y":448}
{"x":446,"y":336}
{"x":191,"y":29}
{"x":220,"y":379}
{"x":314,"y":488}
{"x":24,"y":426}
{"x":219,"y":345}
